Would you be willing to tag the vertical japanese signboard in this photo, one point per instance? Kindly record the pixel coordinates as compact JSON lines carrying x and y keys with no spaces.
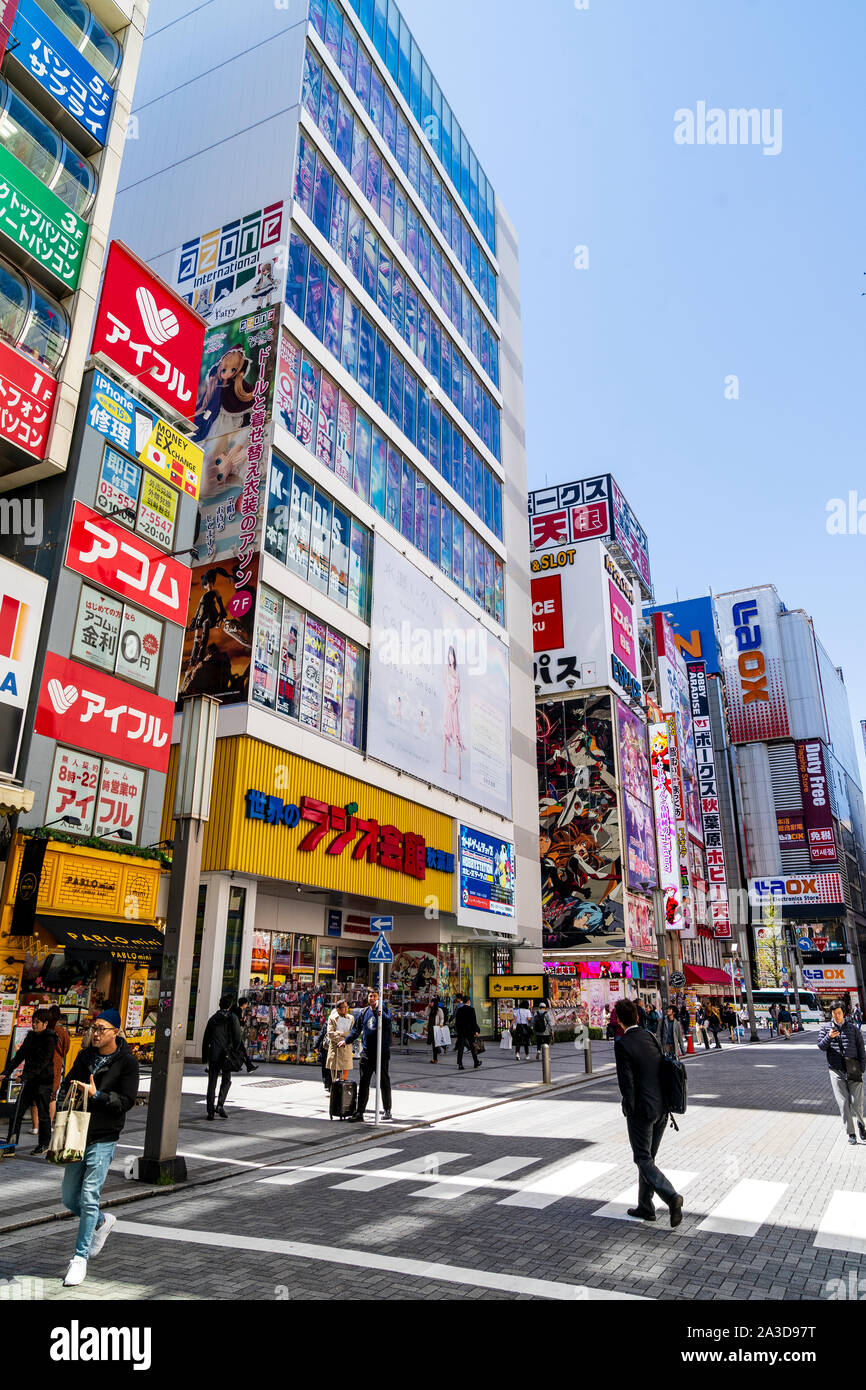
{"x":710,"y":809}
{"x":666,"y":826}
{"x":815,"y":791}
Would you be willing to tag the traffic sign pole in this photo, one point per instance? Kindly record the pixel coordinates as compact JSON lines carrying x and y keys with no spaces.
{"x":379,"y":1047}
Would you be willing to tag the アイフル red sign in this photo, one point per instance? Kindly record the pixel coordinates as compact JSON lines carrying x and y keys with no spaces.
{"x":26,"y":401}
{"x":107,"y":554}
{"x":152,"y":334}
{"x":85,"y":707}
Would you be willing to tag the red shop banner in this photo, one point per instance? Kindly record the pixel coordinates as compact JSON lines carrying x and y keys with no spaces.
{"x":107,"y":554}
{"x":85,"y":707}
{"x":547,"y":626}
{"x":26,"y":402}
{"x":153,"y":335}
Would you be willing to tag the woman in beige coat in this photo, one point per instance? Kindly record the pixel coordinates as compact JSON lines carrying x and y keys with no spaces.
{"x":340,"y":1056}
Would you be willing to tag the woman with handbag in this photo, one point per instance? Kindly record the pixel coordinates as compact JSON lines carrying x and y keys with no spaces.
{"x":843,"y":1043}
{"x":106,"y":1078}
{"x":521,"y":1030}
{"x":435,"y":1020}
{"x":37,"y":1052}
{"x":340,"y":1055}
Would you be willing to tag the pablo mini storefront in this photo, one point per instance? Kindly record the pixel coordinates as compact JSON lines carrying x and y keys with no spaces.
{"x":297,"y":860}
{"x":81,"y":928}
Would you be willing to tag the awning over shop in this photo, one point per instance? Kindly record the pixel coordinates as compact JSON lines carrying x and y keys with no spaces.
{"x":706,"y":975}
{"x":130,"y":942}
{"x":15,"y":801}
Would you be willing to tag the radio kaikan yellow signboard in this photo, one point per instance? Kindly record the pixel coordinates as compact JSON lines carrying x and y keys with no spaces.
{"x":276,"y":815}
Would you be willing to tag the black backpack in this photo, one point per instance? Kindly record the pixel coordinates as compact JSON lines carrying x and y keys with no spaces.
{"x":675,"y":1085}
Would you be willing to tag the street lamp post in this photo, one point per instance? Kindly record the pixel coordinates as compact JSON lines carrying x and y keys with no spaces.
{"x":160,"y":1162}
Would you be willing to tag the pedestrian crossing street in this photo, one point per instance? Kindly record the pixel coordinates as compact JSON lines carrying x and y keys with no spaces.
{"x":748,"y":1205}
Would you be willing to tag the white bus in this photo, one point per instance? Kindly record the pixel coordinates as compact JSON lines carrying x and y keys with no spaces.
{"x":809,"y":1007}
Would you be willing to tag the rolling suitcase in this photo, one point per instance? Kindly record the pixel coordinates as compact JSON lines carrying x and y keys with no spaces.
{"x":344,"y":1099}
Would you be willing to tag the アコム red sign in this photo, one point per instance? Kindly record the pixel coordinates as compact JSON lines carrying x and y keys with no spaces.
{"x":106,"y":553}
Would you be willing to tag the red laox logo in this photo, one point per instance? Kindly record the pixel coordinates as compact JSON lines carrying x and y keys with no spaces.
{"x":150,"y":332}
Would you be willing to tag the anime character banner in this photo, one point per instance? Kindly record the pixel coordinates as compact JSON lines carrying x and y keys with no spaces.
{"x":233,"y":409}
{"x":579,"y":826}
{"x":439,"y":702}
{"x":641,"y":870}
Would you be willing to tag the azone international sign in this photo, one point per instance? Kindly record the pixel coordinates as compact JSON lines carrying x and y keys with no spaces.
{"x":40,"y":223}
{"x":152,"y":334}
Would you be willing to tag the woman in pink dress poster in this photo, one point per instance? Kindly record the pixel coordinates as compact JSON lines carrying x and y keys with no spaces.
{"x":451,"y":725}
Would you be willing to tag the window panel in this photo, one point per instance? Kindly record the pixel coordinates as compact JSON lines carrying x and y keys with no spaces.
{"x":328,"y":109}
{"x":424,"y":254}
{"x":377,"y":473}
{"x":414,"y":161}
{"x":420,"y":539}
{"x":334,"y":318}
{"x":326,"y":428}
{"x":353,"y":696}
{"x":333,"y":30}
{"x":349,"y":351}
{"x":291,"y":648}
{"x":343,"y":142}
{"x":497,"y":509}
{"x":377,"y":102}
{"x":423,"y":334}
{"x":412,"y":236}
{"x":426,"y":92}
{"x":445,"y":366}
{"x":457,"y":462}
{"x":366,"y":356}
{"x":300,"y":518}
{"x":373,"y":182}
{"x":362,"y":79}
{"x":468,"y":561}
{"x":339,"y":221}
{"x":415,"y":81}
{"x":371,"y":261}
{"x":311,"y":673}
{"x":409,"y":404}
{"x":445,"y":521}
{"x":305,"y":174}
{"x":320,"y":541}
{"x":355,"y":249}
{"x":435,"y":435}
{"x":488,"y":498}
{"x":380,"y":384}
{"x":389,"y":123}
{"x":383,"y":284}
{"x":435,"y":349}
{"x":363,"y":450}
{"x":403,"y":63}
{"x":348,"y":54}
{"x":359,"y":155}
{"x":314,"y":312}
{"x":323,"y":188}
{"x":395,"y":400}
{"x":341,"y":533}
{"x":312,"y":84}
{"x":392,"y":505}
{"x":318,"y":10}
{"x":423,"y":420}
{"x":380,"y":22}
{"x":402,"y":143}
{"x":407,"y":510}
{"x":345,"y":439}
{"x":433,"y":549}
{"x":457,"y":552}
{"x":386,"y":202}
{"x":499,"y":591}
{"x":468,"y":476}
{"x":400,"y":219}
{"x":489,"y":604}
{"x":296,"y":280}
{"x":445,"y":464}
{"x":425,"y":173}
{"x":397,"y":301}
{"x":359,"y":562}
{"x":411,"y":333}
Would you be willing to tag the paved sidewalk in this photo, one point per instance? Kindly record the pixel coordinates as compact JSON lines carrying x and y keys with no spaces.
{"x":279,"y":1114}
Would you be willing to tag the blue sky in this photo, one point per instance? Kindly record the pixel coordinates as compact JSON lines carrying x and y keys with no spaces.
{"x":704,"y":261}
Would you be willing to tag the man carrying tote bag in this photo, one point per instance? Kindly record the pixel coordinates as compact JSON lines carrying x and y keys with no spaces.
{"x":106,"y":1075}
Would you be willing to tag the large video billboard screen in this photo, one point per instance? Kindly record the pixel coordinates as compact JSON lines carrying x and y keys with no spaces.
{"x":440,"y":705}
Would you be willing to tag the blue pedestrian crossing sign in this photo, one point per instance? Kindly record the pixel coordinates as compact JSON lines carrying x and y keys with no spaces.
{"x":381,"y":924}
{"x":381,"y":953}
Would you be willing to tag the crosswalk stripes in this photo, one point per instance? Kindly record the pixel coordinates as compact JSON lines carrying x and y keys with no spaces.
{"x":450,"y":1188}
{"x":553,"y":1183}
{"x":843,"y":1225}
{"x":618,"y":1207}
{"x":428,"y":1163}
{"x":307,"y":1174}
{"x":745,"y":1209}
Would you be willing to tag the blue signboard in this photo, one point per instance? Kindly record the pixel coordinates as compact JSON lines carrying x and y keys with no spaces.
{"x":486,"y":872}
{"x":693,"y":622}
{"x":112,"y":412}
{"x":380,"y":924}
{"x":381,"y":953}
{"x":57,"y":66}
{"x":335,"y":921}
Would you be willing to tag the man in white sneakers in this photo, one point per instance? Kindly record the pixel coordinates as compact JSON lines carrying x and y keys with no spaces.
{"x":107,"y":1073}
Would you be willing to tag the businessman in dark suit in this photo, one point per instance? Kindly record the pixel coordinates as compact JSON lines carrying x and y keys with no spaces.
{"x":466,"y":1028}
{"x":639,"y":1073}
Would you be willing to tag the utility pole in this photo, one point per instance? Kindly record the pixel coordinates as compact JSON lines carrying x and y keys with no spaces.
{"x":160,"y":1162}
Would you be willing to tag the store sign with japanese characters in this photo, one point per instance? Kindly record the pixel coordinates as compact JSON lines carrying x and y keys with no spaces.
{"x":123,"y":420}
{"x":22,"y":597}
{"x":103,"y":552}
{"x":117,"y":637}
{"x":590,"y":508}
{"x":105,"y":796}
{"x":152,"y":335}
{"x":86,"y":707}
{"x":40,"y":223}
{"x":49,"y":57}
{"x":26,"y":402}
{"x":717,"y":895}
{"x":815,"y":793}
{"x":367,"y":840}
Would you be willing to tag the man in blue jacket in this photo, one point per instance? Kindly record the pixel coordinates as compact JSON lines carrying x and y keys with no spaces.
{"x":843,"y":1043}
{"x":366,"y":1028}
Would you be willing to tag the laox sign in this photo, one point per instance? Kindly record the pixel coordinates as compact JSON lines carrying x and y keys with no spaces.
{"x":750,"y":662}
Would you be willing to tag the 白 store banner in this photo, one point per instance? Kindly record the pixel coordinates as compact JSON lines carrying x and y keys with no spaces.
{"x":22,"y":598}
{"x":815,"y":792}
{"x":149,"y":332}
{"x":752,"y":664}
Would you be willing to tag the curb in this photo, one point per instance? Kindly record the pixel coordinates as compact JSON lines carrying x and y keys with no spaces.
{"x":60,"y":1213}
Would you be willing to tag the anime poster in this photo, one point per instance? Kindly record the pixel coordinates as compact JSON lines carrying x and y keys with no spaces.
{"x":353,"y":695}
{"x":640,"y":850}
{"x":291,"y":643}
{"x":311,"y":673}
{"x":579,"y":830}
{"x":332,"y":700}
{"x":637,"y":799}
{"x":288,"y":377}
{"x":232,"y":411}
{"x":639,"y":925}
{"x":267,"y":649}
{"x":415,"y":969}
{"x":345,"y":437}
